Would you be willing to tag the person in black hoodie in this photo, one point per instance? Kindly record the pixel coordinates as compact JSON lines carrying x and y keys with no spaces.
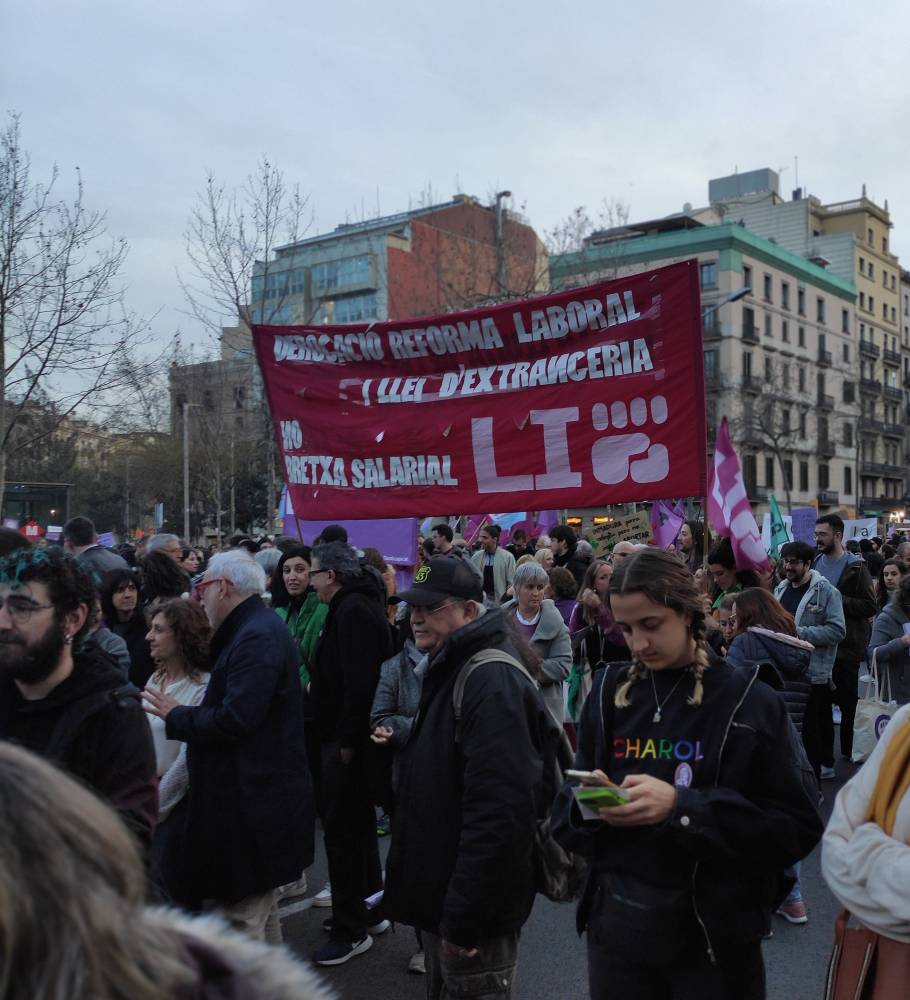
{"x":721,"y":799}
{"x":564,"y":543}
{"x":61,"y":696}
{"x":355,"y":640}
{"x":124,"y":617}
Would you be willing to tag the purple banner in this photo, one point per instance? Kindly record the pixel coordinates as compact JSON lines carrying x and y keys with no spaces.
{"x":396,"y":537}
{"x":803,"y":526}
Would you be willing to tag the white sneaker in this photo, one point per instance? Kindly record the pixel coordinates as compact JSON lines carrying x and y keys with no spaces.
{"x":828,"y":773}
{"x":293,"y":889}
{"x":324,"y":896}
{"x":418,"y":963}
{"x":835,"y":715}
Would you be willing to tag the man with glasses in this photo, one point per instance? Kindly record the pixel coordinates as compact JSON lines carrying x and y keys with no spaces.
{"x":818,"y":610}
{"x":355,"y":641}
{"x":460,"y":867}
{"x":61,"y":695}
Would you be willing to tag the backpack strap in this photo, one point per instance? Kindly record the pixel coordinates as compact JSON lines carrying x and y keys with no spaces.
{"x":468,"y":668}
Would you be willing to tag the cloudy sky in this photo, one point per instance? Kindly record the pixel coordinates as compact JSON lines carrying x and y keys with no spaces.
{"x":368,"y":104}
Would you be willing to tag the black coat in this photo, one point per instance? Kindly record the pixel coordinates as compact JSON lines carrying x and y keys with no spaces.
{"x":249,"y":811}
{"x":858,"y":594}
{"x":735,"y":834}
{"x":574,"y":563}
{"x":460,"y":863}
{"x":93,"y":725}
{"x":355,"y":641}
{"x":133,"y":632}
{"x":790,"y":662}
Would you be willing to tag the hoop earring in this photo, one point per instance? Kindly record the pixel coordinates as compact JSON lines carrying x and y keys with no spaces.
{"x":68,"y":639}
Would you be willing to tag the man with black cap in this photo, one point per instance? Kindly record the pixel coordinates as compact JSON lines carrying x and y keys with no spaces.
{"x":460,"y":866}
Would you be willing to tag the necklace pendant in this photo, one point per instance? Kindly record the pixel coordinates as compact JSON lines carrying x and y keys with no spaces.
{"x":656,"y":716}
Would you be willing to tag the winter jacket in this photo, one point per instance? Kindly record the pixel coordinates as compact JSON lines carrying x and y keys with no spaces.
{"x":749,"y":809}
{"x":503,"y":570}
{"x":133,"y":632}
{"x":249,"y":811}
{"x":858,"y":596}
{"x":819,"y":620}
{"x":574,"y":563}
{"x":867,"y":870}
{"x":98,"y":561}
{"x":397,"y":694}
{"x":355,"y":641}
{"x":552,"y":644}
{"x":790,"y":658}
{"x":460,"y":862}
{"x":115,"y":647}
{"x":93,"y":725}
{"x":224,"y":964}
{"x":890,"y":652}
{"x":305,"y":621}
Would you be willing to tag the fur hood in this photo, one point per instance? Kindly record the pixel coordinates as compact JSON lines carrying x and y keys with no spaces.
{"x":256,"y":971}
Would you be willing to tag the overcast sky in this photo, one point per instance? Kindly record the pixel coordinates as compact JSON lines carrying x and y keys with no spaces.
{"x":366,"y":103}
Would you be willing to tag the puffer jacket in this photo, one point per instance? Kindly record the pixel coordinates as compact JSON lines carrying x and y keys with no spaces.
{"x":889,"y":650}
{"x":819,"y":620}
{"x":788,"y":656}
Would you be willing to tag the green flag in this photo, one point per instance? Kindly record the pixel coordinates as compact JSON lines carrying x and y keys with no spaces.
{"x":779,"y":533}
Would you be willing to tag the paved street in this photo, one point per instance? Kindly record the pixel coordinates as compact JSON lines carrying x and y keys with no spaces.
{"x":552,"y":957}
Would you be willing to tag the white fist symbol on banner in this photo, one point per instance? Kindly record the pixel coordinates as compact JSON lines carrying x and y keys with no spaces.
{"x":614,"y":458}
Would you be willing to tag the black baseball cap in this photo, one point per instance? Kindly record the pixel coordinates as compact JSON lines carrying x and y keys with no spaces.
{"x":441,"y":578}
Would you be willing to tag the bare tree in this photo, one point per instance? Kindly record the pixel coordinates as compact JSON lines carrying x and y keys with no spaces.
{"x":65,"y":332}
{"x":569,"y":235}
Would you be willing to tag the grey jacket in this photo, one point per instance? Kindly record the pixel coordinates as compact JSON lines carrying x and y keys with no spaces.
{"x":890,"y":652}
{"x":819,"y":620}
{"x":552,"y":644}
{"x":397,"y":696}
{"x":503,"y":570}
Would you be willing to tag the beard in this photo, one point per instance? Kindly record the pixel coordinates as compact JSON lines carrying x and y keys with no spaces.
{"x":31,"y":663}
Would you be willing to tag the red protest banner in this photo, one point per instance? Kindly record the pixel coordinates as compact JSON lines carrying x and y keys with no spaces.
{"x":587,"y":397}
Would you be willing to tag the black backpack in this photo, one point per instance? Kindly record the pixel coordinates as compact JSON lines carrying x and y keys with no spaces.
{"x":559,"y":874}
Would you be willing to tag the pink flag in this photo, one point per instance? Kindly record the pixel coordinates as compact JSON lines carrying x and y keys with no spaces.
{"x":729,"y":510}
{"x":665,"y":523}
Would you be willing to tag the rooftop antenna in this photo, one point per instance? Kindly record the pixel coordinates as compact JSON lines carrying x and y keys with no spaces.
{"x":796,"y":171}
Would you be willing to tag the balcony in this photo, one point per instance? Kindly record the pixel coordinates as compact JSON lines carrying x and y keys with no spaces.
{"x":825,"y":402}
{"x":893,"y":392}
{"x":870,"y":386}
{"x":891,"y":357}
{"x":869,"y":349}
{"x":750,"y":335}
{"x":893,"y":430}
{"x":826,"y":448}
{"x":751,"y":383}
{"x":870,"y":424}
{"x":824,"y":358}
{"x":886,"y":469}
{"x":828,"y":498}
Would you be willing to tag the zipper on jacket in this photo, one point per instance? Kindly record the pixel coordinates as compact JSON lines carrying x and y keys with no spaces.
{"x":701,"y":922}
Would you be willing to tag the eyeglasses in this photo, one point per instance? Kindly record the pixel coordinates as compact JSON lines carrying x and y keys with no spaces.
{"x":201,"y":586}
{"x":434,"y":611}
{"x":20,"y":609}
{"x":313,"y":572}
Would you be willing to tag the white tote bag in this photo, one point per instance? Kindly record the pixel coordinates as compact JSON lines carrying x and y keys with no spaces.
{"x":873,"y":713}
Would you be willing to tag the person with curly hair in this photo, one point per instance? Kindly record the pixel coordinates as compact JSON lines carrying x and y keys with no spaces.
{"x":712,"y":799}
{"x":61,"y":695}
{"x":162,"y":578}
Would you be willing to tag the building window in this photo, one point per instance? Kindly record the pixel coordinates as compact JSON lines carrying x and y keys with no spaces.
{"x":748,"y":322}
{"x":802,"y":423}
{"x":849,"y":390}
{"x":820,"y":310}
{"x":747,"y":277}
{"x":801,"y":301}
{"x":862,"y":265}
{"x":785,"y":420}
{"x":804,"y":476}
{"x":768,"y":332}
{"x":862,"y":300}
{"x":802,"y":379}
{"x":785,"y":294}
{"x":848,"y":435}
{"x":884,"y":310}
{"x":710,"y":365}
{"x":845,"y":350}
{"x":884,"y":243}
{"x":354,"y":308}
{"x":872,"y":303}
{"x":788,"y":473}
{"x":709,"y":319}
{"x":848,"y":479}
{"x":749,"y":475}
{"x":801,"y":336}
{"x":845,"y":320}
{"x":767,"y":285}
{"x":823,"y":474}
{"x":785,"y":331}
{"x":709,"y":274}
{"x":893,"y":315}
{"x":747,"y":364}
{"x":341,"y":274}
{"x":871,"y":271}
{"x":769,"y":473}
{"x":871,"y":236}
{"x":769,"y":371}
{"x":785,"y":372}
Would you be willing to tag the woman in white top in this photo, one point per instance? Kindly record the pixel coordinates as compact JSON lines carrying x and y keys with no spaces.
{"x":178,"y":637}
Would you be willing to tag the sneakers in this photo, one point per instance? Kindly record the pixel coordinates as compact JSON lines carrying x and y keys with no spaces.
{"x":293,"y":889}
{"x":793,"y":912}
{"x":418,"y":963}
{"x":324,"y":896}
{"x":383,"y":825}
{"x":339,"y":952}
{"x":835,"y":715}
{"x":828,"y":773}
{"x":374,"y":929}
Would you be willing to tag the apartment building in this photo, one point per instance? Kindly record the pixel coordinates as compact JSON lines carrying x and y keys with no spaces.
{"x":780,"y":348}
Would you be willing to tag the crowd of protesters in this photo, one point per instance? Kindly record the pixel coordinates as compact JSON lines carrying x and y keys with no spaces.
{"x":219,"y":704}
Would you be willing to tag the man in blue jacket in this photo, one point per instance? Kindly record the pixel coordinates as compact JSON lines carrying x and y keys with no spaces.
{"x":249,"y":813}
{"x":818,"y":610}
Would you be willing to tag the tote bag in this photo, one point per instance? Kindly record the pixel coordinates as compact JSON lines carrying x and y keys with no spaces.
{"x":873,"y":712}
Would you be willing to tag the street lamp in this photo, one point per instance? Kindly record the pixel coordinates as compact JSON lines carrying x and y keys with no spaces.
{"x":186,"y":470}
{"x":740,"y":293}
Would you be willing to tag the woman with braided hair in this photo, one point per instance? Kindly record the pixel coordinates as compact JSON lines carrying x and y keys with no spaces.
{"x":719,"y":800}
